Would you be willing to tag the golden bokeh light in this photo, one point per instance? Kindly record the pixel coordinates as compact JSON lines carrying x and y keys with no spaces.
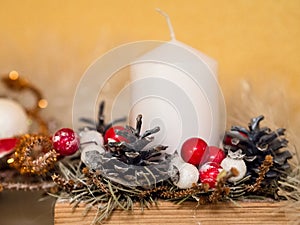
{"x":13,"y":75}
{"x":43,"y":103}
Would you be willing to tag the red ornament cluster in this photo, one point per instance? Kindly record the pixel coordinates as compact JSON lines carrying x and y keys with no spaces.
{"x":207,"y":158}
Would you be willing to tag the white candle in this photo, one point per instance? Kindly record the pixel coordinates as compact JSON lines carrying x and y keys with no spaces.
{"x":176,"y":88}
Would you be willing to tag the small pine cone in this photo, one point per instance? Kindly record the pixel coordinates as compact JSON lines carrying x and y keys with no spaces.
{"x":128,"y":174}
{"x":131,"y":163}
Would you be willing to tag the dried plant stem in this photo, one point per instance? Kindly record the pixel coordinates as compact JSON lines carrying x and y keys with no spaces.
{"x":221,"y":189}
{"x":185,"y":193}
{"x":263,"y":169}
{"x":156,"y":190}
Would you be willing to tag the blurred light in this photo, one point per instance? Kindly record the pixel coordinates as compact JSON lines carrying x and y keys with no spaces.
{"x":43,"y":103}
{"x":10,"y":160}
{"x":13,"y":75}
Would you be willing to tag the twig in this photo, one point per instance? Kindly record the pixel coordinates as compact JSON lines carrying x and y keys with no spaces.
{"x":263,"y":169}
{"x":221,"y":189}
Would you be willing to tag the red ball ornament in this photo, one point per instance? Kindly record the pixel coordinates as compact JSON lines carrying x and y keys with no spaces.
{"x":193,"y":150}
{"x":7,"y":146}
{"x":111,"y":135}
{"x":213,"y":154}
{"x":65,"y":141}
{"x":208,"y":173}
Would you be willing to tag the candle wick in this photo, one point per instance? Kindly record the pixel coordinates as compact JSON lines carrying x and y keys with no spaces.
{"x":172,"y":34}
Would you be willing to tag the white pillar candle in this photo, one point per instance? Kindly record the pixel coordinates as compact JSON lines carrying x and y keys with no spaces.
{"x":177,"y":89}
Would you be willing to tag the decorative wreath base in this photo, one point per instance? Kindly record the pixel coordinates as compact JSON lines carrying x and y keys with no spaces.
{"x":250,"y":212}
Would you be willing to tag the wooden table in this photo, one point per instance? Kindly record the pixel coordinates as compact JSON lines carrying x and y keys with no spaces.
{"x":271,"y":213}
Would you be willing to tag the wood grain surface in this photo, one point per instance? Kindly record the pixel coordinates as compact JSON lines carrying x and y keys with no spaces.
{"x":187,"y":213}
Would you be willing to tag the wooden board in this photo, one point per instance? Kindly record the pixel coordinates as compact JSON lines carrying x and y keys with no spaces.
{"x":188,"y":213}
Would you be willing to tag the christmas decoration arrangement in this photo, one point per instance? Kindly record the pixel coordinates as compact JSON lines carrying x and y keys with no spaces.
{"x":109,"y":166}
{"x":116,"y":169}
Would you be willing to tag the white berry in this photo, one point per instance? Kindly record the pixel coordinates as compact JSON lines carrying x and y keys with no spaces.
{"x":239,"y":164}
{"x":188,"y":175}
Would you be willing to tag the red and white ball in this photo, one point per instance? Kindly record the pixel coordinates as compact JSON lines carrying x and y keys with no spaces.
{"x":66,"y":141}
{"x":209,"y":172}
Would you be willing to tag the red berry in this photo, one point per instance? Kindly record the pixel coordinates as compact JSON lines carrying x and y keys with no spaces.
{"x":192,"y":150}
{"x":7,"y":145}
{"x":65,"y":141}
{"x":208,"y":173}
{"x":213,"y":154}
{"x":111,"y":134}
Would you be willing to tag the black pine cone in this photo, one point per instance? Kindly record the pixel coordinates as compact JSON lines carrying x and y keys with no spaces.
{"x":132,"y":163}
{"x":256,"y":142}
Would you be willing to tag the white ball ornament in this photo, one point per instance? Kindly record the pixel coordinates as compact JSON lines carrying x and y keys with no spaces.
{"x":188,"y":175}
{"x":235,"y":159}
{"x":90,"y":141}
{"x":91,"y":136}
{"x":13,"y":119}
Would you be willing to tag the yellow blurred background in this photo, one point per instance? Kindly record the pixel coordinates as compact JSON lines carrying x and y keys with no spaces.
{"x":53,"y":42}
